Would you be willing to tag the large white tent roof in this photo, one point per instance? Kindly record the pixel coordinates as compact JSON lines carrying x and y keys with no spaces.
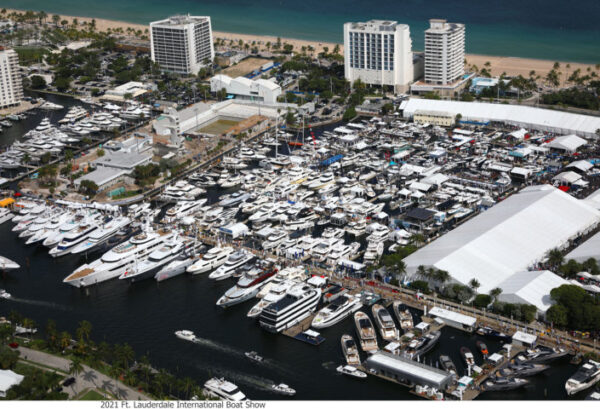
{"x":510,"y":237}
{"x":523,"y":116}
{"x":530,"y":287}
{"x":588,"y":249}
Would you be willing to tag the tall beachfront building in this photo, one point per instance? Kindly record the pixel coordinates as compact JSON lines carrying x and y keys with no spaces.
{"x":444,"y":52}
{"x":11,"y":84}
{"x":182,"y":44}
{"x":378,"y":52}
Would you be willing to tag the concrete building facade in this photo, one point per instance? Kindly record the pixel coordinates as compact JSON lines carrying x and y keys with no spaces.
{"x":259,"y":90}
{"x":444,"y":52}
{"x":11,"y":84}
{"x":378,"y":52}
{"x":182,"y":44}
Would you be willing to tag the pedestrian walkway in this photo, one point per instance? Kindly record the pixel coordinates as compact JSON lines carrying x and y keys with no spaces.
{"x":88,"y":378}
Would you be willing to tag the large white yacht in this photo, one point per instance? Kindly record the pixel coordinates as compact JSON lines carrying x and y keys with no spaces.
{"x":366,"y":332}
{"x":5,"y":215}
{"x":248,"y":285}
{"x":175,"y":267}
{"x":56,"y":237}
{"x":586,"y":376}
{"x":183,"y":209}
{"x":299,"y":302}
{"x":385,"y":323}
{"x":220,"y":388}
{"x":115,"y":262}
{"x":155,"y":260}
{"x":276,"y":292}
{"x":103,"y":234}
{"x":338,"y":310}
{"x":7,"y":264}
{"x":215,"y":257}
{"x":235,"y":260}
{"x":72,"y":239}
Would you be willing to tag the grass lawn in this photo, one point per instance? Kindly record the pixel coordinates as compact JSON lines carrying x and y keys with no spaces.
{"x":92,"y":395}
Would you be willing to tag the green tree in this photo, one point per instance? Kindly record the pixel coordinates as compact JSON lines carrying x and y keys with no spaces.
{"x":474,"y":284}
{"x":495,"y":292}
{"x":555,"y":258}
{"x":76,"y":367}
{"x":558,"y":315}
{"x":88,"y":187}
{"x":349,"y":114}
{"x":38,"y":82}
{"x":64,"y":340}
{"x":8,"y":357}
{"x":100,"y":152}
{"x":482,"y":300}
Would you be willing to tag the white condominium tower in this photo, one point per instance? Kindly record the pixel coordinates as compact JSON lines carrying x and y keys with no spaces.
{"x":444,"y":52}
{"x":11,"y":84}
{"x":182,"y":44}
{"x":378,"y":52}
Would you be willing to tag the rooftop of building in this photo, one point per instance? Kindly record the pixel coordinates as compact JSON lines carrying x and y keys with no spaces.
{"x":440,"y":26}
{"x":180,"y":20}
{"x":383,"y":25}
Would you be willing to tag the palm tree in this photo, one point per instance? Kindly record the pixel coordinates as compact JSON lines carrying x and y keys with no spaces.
{"x":442,"y":276}
{"x":85,"y":327}
{"x":114,"y":372}
{"x":555,"y":258}
{"x":188,"y":384}
{"x":65,"y":340}
{"x":495,"y":292}
{"x":421,"y":271}
{"x":75,"y":368}
{"x":474,"y":284}
{"x":127,"y":355}
{"x":51,"y":334}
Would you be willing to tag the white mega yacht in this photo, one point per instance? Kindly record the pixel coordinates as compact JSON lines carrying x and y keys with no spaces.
{"x":119,"y":259}
{"x":215,"y":257}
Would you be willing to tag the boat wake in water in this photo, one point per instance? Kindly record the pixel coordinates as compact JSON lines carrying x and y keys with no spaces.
{"x":218,"y":346}
{"x":329,"y":365}
{"x":269,"y":363}
{"x":40,"y":303}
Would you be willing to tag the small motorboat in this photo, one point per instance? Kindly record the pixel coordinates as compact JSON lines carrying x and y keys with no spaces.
{"x":447,"y":364}
{"x":467,"y":356}
{"x":351,"y":371}
{"x":503,"y":384}
{"x":482,"y":348}
{"x":185,"y":335}
{"x":253,"y":355}
{"x":4,"y":294}
{"x":492,"y":333}
{"x":283,"y":389}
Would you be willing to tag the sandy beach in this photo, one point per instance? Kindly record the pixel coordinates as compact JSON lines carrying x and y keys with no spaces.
{"x":510,"y":65}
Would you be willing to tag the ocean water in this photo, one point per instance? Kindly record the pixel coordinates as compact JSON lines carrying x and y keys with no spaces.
{"x":543,"y":29}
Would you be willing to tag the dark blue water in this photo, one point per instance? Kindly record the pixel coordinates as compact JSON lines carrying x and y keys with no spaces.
{"x":545,"y":29}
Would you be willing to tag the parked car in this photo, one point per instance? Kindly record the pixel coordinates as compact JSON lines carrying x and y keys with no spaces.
{"x":69,"y":381}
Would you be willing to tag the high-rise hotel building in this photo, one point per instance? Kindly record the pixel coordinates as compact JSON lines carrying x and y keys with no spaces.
{"x":378,"y":52}
{"x":444,"y":52}
{"x":182,"y":44}
{"x":11,"y":84}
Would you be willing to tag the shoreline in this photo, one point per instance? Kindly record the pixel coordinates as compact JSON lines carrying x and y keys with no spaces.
{"x":512,"y":66}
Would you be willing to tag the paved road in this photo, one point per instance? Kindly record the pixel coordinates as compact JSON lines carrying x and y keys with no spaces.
{"x":88,"y":379}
